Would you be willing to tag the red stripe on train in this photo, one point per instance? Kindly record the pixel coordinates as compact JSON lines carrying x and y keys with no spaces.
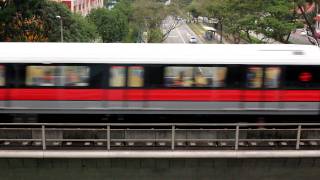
{"x":159,"y":95}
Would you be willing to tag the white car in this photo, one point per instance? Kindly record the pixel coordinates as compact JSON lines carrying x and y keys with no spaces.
{"x":193,"y":39}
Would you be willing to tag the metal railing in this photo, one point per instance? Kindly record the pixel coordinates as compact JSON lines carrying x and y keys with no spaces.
{"x":119,"y":136}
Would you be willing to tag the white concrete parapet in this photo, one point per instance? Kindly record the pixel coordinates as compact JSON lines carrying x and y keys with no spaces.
{"x":159,"y":154}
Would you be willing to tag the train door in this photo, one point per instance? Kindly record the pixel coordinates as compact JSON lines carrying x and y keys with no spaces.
{"x":115,"y":95}
{"x":262,"y":88}
{"x":271,"y":96}
{"x":135,"y":95}
{"x":252,"y":95}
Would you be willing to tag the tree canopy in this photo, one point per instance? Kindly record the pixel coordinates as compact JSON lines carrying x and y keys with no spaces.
{"x":35,"y":20}
{"x":273,"y":18}
{"x":112,"y":25}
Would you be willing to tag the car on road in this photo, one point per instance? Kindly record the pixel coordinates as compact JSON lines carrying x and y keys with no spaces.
{"x":193,"y":39}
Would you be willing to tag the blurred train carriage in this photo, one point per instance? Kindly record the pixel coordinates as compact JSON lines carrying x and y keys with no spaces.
{"x":75,"y":78}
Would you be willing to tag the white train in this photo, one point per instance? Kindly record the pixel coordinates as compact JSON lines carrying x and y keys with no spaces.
{"x":80,"y":78}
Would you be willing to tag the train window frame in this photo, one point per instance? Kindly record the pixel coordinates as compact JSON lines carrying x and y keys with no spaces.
{"x":109,"y":76}
{"x":91,"y":83}
{"x":5,"y":76}
{"x":8,"y":76}
{"x":226,"y":86}
{"x":261,"y":78}
{"x":280,"y":78}
{"x":177,"y":66}
{"x":130,"y":74}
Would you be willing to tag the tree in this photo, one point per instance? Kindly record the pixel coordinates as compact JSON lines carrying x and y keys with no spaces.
{"x":273,"y":18}
{"x":150,"y":15}
{"x":278,"y":20}
{"x":19,"y":23}
{"x":35,"y":20}
{"x":112,"y":25}
{"x":308,"y":16}
{"x":173,"y":15}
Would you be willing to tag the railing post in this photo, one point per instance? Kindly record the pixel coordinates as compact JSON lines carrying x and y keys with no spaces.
{"x":298,"y":137}
{"x":43,"y":137}
{"x":173,"y":136}
{"x":236,"y":146}
{"x":108,"y":137}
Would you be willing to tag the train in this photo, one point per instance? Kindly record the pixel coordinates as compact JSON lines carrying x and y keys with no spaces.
{"x":116,"y":78}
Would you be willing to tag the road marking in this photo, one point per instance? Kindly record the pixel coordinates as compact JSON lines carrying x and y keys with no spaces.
{"x":181,"y":36}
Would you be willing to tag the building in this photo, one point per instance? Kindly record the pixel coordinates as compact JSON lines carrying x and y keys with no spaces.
{"x":82,"y":6}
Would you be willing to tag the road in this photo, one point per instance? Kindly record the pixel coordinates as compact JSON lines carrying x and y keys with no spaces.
{"x":297,"y":38}
{"x":181,"y":34}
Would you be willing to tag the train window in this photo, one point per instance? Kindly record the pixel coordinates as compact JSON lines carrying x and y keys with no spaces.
{"x":117,"y":76}
{"x":272,"y":77}
{"x":302,"y":77}
{"x":176,"y":76}
{"x":57,"y":76}
{"x":210,"y":76}
{"x":254,"y":77}
{"x":135,"y":76}
{"x":2,"y":76}
{"x":43,"y":76}
{"x":202,"y":77}
{"x":75,"y":75}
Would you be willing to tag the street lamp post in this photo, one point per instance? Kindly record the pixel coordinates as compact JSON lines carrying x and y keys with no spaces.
{"x":61,"y":27}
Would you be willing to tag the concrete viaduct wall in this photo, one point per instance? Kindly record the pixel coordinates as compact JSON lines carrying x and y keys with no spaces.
{"x":160,"y":169}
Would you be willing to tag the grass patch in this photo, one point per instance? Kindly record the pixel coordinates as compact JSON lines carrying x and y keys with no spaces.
{"x":197,"y":28}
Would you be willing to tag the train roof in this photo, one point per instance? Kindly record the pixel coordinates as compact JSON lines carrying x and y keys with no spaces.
{"x":263,"y":54}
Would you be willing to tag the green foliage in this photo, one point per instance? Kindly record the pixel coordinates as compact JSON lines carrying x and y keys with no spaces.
{"x":194,"y":12}
{"x":112,"y":25}
{"x":35,"y":20}
{"x":75,"y":27}
{"x":130,"y":19}
{"x":278,"y":20}
{"x":273,"y":18}
{"x":149,"y":16}
{"x":86,"y":30}
{"x":125,"y":7}
{"x":17,"y":21}
{"x":133,"y":35}
{"x":155,"y":36}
